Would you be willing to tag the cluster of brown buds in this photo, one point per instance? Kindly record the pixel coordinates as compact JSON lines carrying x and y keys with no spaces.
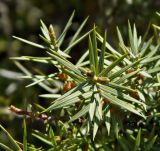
{"x":68,"y":85}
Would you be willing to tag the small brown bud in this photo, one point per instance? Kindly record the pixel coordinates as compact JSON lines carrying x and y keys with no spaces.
{"x":130,"y":70}
{"x":62,"y":76}
{"x":53,"y":36}
{"x":135,"y":95}
{"x":103,"y":79}
{"x":69,"y":85}
{"x":105,"y":101}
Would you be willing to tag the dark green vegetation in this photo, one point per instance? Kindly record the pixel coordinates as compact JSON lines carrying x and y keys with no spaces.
{"x":104,"y":98}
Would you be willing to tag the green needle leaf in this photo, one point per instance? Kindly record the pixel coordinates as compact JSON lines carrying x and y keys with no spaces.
{"x":108,"y":121}
{"x":6,"y":148}
{"x":30,"y":43}
{"x":135,"y":39}
{"x":46,"y":60}
{"x":44,"y":86}
{"x":65,"y":62}
{"x":92,"y":107}
{"x":44,"y":30}
{"x":138,"y":141}
{"x":78,"y":31}
{"x":24,"y":136}
{"x":43,"y":139}
{"x":156,"y":69}
{"x":82,"y":58}
{"x":122,"y":104}
{"x":145,"y":46}
{"x":53,"y":96}
{"x":110,"y":67}
{"x":15,"y":145}
{"x":91,"y":55}
{"x":131,"y":39}
{"x":151,"y":143}
{"x":120,"y":36}
{"x":119,"y":94}
{"x":118,"y":73}
{"x":82,"y":112}
{"x":67,"y":50}
{"x":95,"y":53}
{"x":127,"y":76}
{"x":153,"y":51}
{"x":101,"y":59}
{"x":95,"y":128}
{"x":69,"y":101}
{"x":79,"y":93}
{"x":148,"y":60}
{"x":62,"y":36}
{"x":45,"y":40}
{"x":111,"y":49}
{"x":52,"y":137}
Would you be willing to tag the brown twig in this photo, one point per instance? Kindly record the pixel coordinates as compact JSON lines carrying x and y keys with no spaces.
{"x":32,"y":115}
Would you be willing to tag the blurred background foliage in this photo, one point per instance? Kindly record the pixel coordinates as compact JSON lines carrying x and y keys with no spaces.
{"x":22,"y":18}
